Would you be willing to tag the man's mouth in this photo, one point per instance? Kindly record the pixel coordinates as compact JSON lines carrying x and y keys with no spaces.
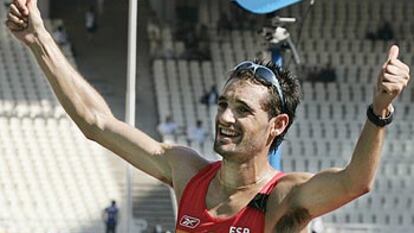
{"x":227,"y":132}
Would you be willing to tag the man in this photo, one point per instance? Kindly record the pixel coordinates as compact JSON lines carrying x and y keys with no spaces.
{"x":197,"y":135}
{"x":60,"y":36}
{"x":90,"y":22}
{"x":168,"y":129}
{"x":242,"y":193}
{"x":110,"y":216}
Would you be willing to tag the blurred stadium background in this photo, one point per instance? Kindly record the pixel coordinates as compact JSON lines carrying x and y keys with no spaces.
{"x":53,"y":180}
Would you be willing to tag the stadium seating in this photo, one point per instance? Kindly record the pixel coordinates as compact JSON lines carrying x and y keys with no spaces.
{"x":51,"y":178}
{"x":51,"y":175}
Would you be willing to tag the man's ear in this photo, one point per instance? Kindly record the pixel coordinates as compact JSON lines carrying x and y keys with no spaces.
{"x":278,"y":124}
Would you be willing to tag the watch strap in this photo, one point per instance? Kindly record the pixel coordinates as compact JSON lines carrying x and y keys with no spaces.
{"x":378,"y":120}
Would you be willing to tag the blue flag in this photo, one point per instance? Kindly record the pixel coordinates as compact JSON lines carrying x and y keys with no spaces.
{"x":275,"y":157}
{"x":264,"y":6}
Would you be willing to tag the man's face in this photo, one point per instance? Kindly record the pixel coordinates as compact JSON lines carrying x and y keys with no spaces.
{"x":242,"y":125}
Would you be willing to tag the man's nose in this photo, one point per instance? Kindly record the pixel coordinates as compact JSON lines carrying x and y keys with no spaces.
{"x":226,"y":117}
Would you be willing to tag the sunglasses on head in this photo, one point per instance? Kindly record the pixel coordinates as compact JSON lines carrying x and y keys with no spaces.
{"x":263,"y":73}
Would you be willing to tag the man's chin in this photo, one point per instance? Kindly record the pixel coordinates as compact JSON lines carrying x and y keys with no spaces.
{"x":223,"y":150}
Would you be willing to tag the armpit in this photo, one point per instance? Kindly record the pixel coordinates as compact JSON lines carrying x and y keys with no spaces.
{"x":293,"y":221}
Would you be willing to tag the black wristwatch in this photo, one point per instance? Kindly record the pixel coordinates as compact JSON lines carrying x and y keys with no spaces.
{"x":378,"y":120}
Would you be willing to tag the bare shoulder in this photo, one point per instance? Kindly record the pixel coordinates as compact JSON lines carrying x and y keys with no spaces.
{"x":296,"y":177}
{"x":285,"y":185}
{"x":288,"y":182}
{"x":185,"y":163}
{"x":184,"y":158}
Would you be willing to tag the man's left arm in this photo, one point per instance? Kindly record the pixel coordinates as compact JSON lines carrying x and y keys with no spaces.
{"x":334,"y":187}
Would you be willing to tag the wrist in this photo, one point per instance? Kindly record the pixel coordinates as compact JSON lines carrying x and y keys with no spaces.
{"x":382,"y":117}
{"x":38,"y":36}
{"x":382,"y":112}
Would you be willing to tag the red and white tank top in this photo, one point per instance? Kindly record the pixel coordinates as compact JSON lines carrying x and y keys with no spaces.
{"x":193,"y":214}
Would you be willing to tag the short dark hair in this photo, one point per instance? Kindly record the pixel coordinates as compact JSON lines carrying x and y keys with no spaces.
{"x":291,"y":89}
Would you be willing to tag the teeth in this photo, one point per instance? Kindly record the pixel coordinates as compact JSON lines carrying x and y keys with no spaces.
{"x":227,"y":132}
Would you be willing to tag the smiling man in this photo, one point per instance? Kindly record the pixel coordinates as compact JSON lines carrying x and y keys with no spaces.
{"x":242,"y":193}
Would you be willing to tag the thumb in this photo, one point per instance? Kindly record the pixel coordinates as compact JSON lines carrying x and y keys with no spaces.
{"x":393,"y":52}
{"x":21,"y":5}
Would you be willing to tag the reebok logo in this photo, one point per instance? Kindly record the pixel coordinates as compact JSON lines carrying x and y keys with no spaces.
{"x":190,"y":222}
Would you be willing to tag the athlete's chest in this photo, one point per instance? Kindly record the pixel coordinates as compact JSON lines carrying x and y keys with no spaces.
{"x":220,"y":204}
{"x":242,"y":212}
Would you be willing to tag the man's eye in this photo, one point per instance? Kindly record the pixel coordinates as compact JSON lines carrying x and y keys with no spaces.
{"x":243,"y":110}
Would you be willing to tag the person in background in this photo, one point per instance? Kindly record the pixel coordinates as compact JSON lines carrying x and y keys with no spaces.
{"x":60,"y":36}
{"x":154,"y":34}
{"x":327,"y":74}
{"x":157,"y":228}
{"x":168,"y":129}
{"x":211,"y":97}
{"x":316,"y":226}
{"x":91,"y":22}
{"x":223,"y":25}
{"x":384,"y":32}
{"x":197,"y":134}
{"x":110,"y":216}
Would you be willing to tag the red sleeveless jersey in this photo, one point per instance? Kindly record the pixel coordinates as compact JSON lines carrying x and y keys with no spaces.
{"x":193,"y":215}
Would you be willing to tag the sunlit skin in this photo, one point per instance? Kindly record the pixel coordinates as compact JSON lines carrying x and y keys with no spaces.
{"x":240,"y":110}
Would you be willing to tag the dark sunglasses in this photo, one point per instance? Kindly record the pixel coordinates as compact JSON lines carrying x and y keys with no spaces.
{"x":262,"y":73}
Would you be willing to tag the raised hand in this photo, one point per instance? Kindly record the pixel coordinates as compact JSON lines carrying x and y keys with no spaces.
{"x":391,"y":82}
{"x":24,"y":20}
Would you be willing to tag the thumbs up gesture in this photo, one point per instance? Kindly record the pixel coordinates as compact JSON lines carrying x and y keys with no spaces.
{"x":392,"y":80}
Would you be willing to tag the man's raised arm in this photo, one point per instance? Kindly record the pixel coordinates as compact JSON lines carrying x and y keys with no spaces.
{"x":82,"y":102}
{"x":334,"y":187}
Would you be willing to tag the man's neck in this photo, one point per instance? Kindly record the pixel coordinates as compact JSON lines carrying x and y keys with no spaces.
{"x":236,"y":175}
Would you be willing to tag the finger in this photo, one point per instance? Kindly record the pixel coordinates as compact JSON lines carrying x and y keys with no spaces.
{"x":18,"y":16}
{"x":15,"y":19}
{"x":12,"y":26}
{"x":21,"y":5}
{"x":393,"y":52}
{"x":394,"y":80}
{"x":399,"y":63}
{"x":15,"y":11}
{"x":395,"y":70}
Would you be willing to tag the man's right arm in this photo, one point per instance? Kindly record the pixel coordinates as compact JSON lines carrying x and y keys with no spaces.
{"x":90,"y":112}
{"x":86,"y":106}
